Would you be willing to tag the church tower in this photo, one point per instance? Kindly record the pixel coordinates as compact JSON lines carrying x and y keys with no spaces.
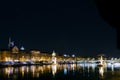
{"x":10,"y":44}
{"x":54,"y":59}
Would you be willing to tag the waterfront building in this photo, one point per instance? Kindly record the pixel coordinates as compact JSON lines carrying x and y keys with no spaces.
{"x":35,"y":55}
{"x":5,"y":56}
{"x":14,"y":54}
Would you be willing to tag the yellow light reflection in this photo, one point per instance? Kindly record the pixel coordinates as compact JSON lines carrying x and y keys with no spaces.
{"x":54,"y":69}
{"x":23,"y":71}
{"x":33,"y":70}
{"x":101,"y":71}
{"x":8,"y":71}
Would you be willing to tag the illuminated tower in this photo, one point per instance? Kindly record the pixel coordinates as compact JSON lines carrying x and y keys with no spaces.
{"x":54,"y":59}
{"x":10,"y":44}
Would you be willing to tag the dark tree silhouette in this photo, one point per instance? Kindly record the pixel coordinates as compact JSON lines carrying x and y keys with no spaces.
{"x":110,"y":11}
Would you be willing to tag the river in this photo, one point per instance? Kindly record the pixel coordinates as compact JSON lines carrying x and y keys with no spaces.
{"x":61,"y":72}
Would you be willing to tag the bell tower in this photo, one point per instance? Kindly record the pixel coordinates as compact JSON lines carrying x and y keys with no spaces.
{"x":10,"y":44}
{"x":54,"y":59}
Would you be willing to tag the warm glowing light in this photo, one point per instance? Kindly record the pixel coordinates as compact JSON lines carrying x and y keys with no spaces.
{"x":9,"y":71}
{"x":54,"y":59}
{"x":33,"y":70}
{"x":101,"y":71}
{"x":54,"y":69}
{"x":23,"y":70}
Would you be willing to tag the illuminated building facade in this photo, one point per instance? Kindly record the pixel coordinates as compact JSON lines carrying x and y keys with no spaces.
{"x":14,"y":54}
{"x":20,"y":56}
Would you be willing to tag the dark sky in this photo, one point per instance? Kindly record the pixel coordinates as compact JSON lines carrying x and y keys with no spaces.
{"x":66,"y":27}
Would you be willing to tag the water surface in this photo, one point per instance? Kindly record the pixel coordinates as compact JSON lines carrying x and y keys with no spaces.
{"x":61,"y":72}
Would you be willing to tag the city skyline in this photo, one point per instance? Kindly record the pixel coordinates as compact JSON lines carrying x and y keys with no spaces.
{"x":69,"y":27}
{"x":12,"y":43}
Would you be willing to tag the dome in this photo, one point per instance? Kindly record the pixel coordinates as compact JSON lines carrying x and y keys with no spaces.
{"x":22,"y":48}
{"x":53,"y":54}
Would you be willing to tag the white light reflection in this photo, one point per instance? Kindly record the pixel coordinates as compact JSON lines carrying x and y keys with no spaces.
{"x":88,"y":67}
{"x":65,"y":69}
{"x":112,"y":68}
{"x":101,"y":72}
{"x":54,"y":69}
{"x":117,"y":64}
{"x":73,"y":67}
{"x":93,"y":67}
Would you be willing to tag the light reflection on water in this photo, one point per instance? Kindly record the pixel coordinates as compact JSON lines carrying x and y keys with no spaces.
{"x":101,"y":72}
{"x":54,"y":69}
{"x":71,"y":71}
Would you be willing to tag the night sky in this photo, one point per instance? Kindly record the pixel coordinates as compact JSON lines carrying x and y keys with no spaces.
{"x":66,"y":27}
